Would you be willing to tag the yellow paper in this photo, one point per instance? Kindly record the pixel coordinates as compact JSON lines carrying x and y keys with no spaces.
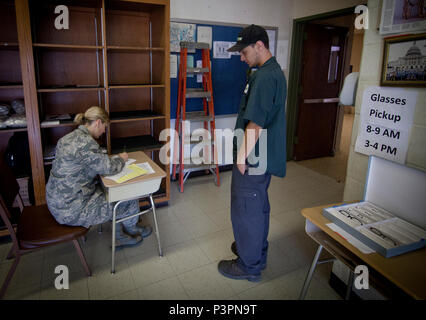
{"x":136,"y":172}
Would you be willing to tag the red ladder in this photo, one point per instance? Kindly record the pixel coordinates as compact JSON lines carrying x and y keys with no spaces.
{"x":206,"y":115}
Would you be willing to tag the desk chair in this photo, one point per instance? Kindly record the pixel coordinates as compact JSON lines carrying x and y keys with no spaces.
{"x":36,"y":227}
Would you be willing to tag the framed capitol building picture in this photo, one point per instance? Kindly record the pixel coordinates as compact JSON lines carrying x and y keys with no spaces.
{"x":404,"y":61}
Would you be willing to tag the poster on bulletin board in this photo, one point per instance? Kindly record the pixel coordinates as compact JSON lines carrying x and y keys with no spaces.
{"x":229,"y":73}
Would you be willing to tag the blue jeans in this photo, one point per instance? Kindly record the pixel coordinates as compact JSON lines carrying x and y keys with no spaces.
{"x":250,"y":211}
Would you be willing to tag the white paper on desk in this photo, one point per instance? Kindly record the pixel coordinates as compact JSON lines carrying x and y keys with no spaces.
{"x":146,"y":166}
{"x":351,"y":239}
{"x":122,"y":173}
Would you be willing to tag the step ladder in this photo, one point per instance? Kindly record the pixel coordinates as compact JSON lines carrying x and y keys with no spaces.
{"x":206,"y":115}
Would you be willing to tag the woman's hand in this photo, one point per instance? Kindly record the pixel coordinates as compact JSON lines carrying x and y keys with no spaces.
{"x":124,"y":156}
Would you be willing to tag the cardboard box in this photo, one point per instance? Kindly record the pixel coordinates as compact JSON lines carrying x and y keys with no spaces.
{"x":392,"y":218}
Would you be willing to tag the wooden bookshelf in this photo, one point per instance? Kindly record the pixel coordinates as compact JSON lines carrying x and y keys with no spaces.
{"x":114,"y":55}
{"x":11,"y":85}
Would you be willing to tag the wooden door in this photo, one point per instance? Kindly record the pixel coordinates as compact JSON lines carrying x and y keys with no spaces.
{"x":323,"y":52}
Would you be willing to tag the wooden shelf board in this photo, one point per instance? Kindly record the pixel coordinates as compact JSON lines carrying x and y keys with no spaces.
{"x":5,"y":232}
{"x":66,"y":46}
{"x":137,"y":119}
{"x":132,"y":48}
{"x":6,"y":44}
{"x":8,"y":130}
{"x":135,"y":115}
{"x":66,"y":89}
{"x":70,"y":124}
{"x":11,"y":86}
{"x":129,"y":86}
{"x":159,"y":197}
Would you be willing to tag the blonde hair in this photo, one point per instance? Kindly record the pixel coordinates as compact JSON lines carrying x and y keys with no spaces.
{"x":91,"y":114}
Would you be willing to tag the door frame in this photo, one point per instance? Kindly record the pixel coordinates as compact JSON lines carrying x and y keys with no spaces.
{"x":294,"y":78}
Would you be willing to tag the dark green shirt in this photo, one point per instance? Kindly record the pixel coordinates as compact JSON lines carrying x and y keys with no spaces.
{"x":263,"y":102}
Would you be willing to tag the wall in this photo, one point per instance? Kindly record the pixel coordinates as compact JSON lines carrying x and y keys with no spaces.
{"x":371,"y":64}
{"x":275,"y":13}
{"x":357,"y":51}
{"x":305,"y":8}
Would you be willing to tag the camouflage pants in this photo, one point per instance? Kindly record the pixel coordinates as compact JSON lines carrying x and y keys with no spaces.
{"x":92,"y":211}
{"x":123,"y":210}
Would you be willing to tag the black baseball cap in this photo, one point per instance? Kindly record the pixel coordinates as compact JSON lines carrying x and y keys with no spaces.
{"x":248,"y":36}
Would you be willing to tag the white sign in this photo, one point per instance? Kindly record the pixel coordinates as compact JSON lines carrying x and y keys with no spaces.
{"x":204,"y":34}
{"x":173,"y":66}
{"x":386,"y":119}
{"x":282,"y":53}
{"x":219,"y":49}
{"x":271,"y":36}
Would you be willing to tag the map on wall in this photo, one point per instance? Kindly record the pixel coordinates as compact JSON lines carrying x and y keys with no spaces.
{"x":181,"y":32}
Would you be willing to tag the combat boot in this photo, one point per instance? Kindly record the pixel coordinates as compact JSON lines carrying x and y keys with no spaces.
{"x":138,"y":230}
{"x":123,"y":240}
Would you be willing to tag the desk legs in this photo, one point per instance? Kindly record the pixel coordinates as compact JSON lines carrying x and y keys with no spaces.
{"x":114,"y":222}
{"x":157,"y":232}
{"x":310,"y":273}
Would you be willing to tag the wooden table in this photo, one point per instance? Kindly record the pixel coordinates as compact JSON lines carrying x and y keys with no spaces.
{"x":136,"y":188}
{"x":407,"y":271}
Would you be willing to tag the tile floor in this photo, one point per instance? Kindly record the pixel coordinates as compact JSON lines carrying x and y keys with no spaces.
{"x":196,"y":233}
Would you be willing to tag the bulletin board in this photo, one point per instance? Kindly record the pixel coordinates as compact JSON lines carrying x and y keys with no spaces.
{"x":229,"y":75}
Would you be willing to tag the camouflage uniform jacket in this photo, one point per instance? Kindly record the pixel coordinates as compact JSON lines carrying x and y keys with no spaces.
{"x":73,"y":193}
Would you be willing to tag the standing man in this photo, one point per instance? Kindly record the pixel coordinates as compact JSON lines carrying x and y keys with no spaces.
{"x":261,"y":114}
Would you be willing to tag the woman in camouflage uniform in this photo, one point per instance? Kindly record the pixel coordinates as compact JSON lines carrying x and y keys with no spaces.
{"x":74,"y":194}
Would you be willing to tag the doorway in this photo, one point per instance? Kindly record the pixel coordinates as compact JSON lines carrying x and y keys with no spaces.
{"x":325,"y":48}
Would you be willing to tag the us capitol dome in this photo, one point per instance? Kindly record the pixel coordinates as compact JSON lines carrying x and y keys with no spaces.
{"x":411,"y":66}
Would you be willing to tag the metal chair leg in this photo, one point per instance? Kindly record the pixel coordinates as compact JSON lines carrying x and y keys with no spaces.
{"x":157,"y":232}
{"x":11,"y":253}
{"x":310,"y":273}
{"x":9,"y":275}
{"x":82,"y":258}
